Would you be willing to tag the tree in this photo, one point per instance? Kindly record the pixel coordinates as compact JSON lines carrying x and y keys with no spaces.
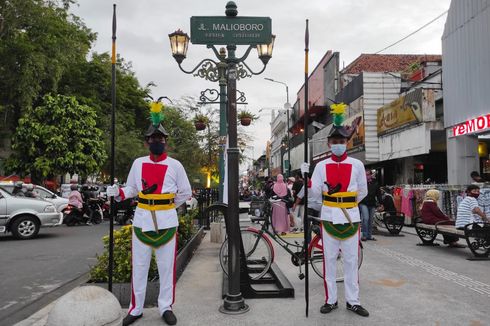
{"x":183,"y":141}
{"x":39,"y":40}
{"x":57,"y":137}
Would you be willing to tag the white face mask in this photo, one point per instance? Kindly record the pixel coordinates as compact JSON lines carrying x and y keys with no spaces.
{"x":338,"y":149}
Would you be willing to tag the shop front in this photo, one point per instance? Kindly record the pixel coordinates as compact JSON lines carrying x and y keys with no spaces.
{"x":412,"y":142}
{"x":470,"y":141}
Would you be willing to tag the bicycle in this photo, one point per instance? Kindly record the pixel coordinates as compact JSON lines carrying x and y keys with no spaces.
{"x":259,"y":250}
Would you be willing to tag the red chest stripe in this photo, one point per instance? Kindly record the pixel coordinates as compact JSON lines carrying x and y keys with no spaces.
{"x":154,"y":174}
{"x":338,"y":173}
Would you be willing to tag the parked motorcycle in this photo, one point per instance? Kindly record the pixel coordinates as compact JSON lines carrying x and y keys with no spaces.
{"x":125,"y":211}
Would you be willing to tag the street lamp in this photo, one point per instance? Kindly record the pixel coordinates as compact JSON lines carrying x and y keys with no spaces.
{"x":227,"y":69}
{"x":287,"y":107}
{"x":179,"y":41}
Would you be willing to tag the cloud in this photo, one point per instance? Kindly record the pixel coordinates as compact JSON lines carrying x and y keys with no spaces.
{"x":350,"y":27}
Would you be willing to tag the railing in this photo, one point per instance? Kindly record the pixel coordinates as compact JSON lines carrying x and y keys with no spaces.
{"x":205,"y":197}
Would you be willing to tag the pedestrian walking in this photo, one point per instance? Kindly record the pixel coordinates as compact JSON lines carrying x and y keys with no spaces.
{"x":280,"y":214}
{"x":299,"y":203}
{"x":368,"y":206}
{"x":161,"y":185}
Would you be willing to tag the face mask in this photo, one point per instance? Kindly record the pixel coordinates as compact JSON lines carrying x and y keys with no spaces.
{"x":157,"y":148}
{"x":338,"y":149}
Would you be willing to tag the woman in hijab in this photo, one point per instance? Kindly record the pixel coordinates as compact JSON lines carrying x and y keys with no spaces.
{"x":280,"y":216}
{"x":431,"y":214}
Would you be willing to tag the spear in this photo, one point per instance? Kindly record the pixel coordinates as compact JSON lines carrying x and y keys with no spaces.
{"x":305,"y":217}
{"x":113,"y":138}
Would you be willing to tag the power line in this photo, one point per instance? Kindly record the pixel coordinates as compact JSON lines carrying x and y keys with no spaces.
{"x":414,"y":32}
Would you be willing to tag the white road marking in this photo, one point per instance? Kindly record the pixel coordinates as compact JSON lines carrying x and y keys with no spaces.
{"x":462,"y":280}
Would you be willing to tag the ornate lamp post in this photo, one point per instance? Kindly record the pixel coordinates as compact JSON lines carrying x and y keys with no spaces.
{"x":227,"y":69}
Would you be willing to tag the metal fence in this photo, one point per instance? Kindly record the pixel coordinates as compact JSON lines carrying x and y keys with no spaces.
{"x":205,"y":197}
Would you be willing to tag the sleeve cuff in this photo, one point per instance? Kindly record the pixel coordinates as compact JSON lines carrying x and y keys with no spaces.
{"x":121,"y":194}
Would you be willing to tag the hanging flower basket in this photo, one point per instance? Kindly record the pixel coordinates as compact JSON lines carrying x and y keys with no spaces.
{"x":246,"y":117}
{"x":200,"y":125}
{"x":246,"y":121}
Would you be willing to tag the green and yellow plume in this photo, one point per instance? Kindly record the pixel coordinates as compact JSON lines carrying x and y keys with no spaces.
{"x":338,"y":112}
{"x":156,"y":113}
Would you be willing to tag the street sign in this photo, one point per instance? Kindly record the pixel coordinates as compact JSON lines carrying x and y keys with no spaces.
{"x":214,"y":30}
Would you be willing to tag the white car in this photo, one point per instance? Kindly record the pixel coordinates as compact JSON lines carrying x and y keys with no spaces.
{"x":59,"y":203}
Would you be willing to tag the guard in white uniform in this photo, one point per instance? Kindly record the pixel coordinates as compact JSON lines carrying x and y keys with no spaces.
{"x":161,"y":184}
{"x":339,"y":184}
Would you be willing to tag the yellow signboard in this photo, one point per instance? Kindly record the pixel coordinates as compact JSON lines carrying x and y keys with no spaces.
{"x":406,"y":109}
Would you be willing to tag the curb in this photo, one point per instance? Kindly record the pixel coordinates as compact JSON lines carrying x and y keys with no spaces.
{"x":31,"y":308}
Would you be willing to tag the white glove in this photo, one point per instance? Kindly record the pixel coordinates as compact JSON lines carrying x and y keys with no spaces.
{"x":305,"y":167}
{"x":112,"y":191}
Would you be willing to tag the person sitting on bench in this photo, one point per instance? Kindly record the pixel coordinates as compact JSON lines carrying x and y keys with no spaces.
{"x":387,"y":204}
{"x":468,"y":209}
{"x":431,"y":214}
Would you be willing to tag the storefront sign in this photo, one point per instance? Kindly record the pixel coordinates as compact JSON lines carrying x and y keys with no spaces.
{"x":405,"y":110}
{"x":231,"y":30}
{"x":356,"y":122}
{"x":473,"y":125}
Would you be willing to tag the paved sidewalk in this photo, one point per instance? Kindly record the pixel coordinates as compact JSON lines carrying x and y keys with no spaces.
{"x":395,"y":287}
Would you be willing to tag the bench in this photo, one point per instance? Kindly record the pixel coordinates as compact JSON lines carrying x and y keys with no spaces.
{"x":393,"y":222}
{"x":477,"y":236}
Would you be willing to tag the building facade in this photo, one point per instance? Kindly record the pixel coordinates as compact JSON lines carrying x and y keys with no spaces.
{"x":466,"y":79}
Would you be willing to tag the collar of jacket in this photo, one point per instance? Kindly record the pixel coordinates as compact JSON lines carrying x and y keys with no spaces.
{"x":336,"y":158}
{"x":159,"y":158}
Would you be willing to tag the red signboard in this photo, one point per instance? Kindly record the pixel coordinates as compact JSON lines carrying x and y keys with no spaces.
{"x":473,"y":125}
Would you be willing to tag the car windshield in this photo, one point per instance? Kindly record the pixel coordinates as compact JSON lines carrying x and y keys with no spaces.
{"x":7,"y":189}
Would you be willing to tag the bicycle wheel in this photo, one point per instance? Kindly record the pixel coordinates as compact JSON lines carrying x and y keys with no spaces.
{"x":258,"y":252}
{"x":316,"y":259}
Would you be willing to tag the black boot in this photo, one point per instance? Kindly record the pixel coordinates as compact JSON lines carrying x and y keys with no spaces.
{"x":129,"y":319}
{"x":169,"y":317}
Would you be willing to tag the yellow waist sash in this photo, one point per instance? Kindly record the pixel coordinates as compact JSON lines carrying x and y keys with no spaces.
{"x":347,"y":199}
{"x":156,"y":202}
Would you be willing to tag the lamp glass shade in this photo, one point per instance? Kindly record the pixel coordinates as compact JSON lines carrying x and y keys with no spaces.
{"x":179,"y":41}
{"x":265,"y":50}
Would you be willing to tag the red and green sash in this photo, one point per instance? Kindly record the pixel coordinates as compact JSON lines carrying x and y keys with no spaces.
{"x":340,"y":231}
{"x":155,"y":239}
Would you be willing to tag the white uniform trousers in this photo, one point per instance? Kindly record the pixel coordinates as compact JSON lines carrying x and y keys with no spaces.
{"x":141,"y":258}
{"x":350,"y":251}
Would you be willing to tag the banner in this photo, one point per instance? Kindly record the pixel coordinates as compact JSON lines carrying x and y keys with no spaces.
{"x":405,"y":110}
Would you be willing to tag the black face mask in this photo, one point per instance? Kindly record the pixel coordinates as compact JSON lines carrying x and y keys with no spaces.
{"x":157,"y":148}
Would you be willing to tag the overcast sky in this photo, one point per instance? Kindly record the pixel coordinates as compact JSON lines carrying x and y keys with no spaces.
{"x":350,"y":27}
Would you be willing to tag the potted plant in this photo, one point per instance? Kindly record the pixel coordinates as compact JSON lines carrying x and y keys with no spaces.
{"x":246,"y":117}
{"x":200,"y":121}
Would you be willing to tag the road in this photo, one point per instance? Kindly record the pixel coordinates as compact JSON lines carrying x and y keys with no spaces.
{"x":33,"y":268}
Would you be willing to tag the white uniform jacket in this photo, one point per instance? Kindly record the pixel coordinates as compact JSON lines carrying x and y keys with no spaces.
{"x":347,"y":171}
{"x":169,"y":176}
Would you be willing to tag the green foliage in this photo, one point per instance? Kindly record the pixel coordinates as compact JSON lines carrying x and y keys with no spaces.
{"x":183,"y":142}
{"x":56,"y":137}
{"x":39,"y":40}
{"x":122,"y":259}
{"x":186,"y":227}
{"x":122,"y":252}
